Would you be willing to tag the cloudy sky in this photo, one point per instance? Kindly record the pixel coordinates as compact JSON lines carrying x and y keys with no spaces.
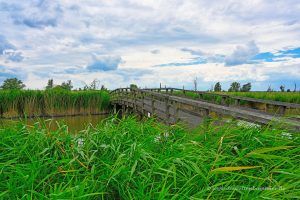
{"x":148,"y":42}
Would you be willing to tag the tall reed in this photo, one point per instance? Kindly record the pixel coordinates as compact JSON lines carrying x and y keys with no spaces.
{"x":128,"y":159}
{"x":16,"y":103}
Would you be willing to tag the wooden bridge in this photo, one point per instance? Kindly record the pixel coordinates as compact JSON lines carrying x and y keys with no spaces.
{"x":171,"y":105}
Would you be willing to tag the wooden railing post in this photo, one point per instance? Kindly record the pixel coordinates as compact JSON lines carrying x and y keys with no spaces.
{"x":282,"y":110}
{"x":206,"y":113}
{"x":126,"y":94}
{"x":223,"y":102}
{"x":135,"y":96}
{"x":177,"y":107}
{"x":167,"y":110}
{"x":143,"y":103}
{"x":200,"y":95}
{"x":152,"y":105}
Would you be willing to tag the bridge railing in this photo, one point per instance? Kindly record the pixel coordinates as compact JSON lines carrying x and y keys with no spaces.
{"x":227,"y":100}
{"x":147,"y":101}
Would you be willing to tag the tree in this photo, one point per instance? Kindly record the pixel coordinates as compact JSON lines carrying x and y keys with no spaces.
{"x":195,"y":81}
{"x":49,"y":84}
{"x":282,"y":88}
{"x":67,"y":85}
{"x":94,"y":84}
{"x":12,"y":84}
{"x":133,"y":86}
{"x":270,"y":89}
{"x":234,"y":87}
{"x":246,"y":87}
{"x":103,"y":88}
{"x":218,"y":87}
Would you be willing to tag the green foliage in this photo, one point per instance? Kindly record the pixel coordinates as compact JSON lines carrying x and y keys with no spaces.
{"x":49,"y":84}
{"x":234,"y":87}
{"x":291,"y":97}
{"x":56,"y":101}
{"x":246,"y":87}
{"x":218,"y":87}
{"x":67,"y":85}
{"x":127,"y":159}
{"x":133,"y":86}
{"x":12,"y":84}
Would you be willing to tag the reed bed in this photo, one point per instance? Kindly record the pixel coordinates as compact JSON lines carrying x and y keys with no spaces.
{"x":128,"y":159}
{"x":16,"y":103}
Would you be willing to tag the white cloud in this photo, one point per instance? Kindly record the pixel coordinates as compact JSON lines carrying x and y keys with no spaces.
{"x":60,"y":37}
{"x":242,"y":54}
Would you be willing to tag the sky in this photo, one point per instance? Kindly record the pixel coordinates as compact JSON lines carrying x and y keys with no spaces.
{"x":148,"y":42}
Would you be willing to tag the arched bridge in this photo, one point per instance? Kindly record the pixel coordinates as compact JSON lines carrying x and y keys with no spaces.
{"x":171,"y":105}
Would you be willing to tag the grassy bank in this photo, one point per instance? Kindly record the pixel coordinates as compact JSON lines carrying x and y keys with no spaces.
{"x":51,"y":102}
{"x":127,"y":159}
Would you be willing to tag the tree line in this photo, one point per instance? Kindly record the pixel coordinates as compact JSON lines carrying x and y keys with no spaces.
{"x":234,"y":87}
{"x":16,"y":84}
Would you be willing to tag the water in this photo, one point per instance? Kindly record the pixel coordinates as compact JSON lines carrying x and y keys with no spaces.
{"x":74,"y":123}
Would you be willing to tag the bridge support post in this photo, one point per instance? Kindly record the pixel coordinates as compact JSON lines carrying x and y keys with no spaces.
{"x":115,"y":108}
{"x":123,"y":110}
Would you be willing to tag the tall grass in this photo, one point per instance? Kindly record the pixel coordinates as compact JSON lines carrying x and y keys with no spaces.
{"x":128,"y":159}
{"x":16,"y":103}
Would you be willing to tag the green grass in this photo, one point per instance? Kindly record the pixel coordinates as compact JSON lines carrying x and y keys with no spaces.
{"x":211,"y":97}
{"x":14,"y":103}
{"x":129,"y":159}
{"x":290,"y":97}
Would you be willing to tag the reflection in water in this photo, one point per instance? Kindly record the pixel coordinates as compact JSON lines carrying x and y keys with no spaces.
{"x":74,"y":123}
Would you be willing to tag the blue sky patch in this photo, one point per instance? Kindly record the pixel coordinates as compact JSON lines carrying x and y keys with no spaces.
{"x":195,"y":61}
